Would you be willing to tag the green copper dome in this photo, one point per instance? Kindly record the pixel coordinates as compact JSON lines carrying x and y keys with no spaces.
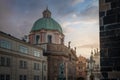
{"x":46,"y":23}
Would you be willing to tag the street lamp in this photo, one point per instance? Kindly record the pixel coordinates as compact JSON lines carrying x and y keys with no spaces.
{"x":92,"y":62}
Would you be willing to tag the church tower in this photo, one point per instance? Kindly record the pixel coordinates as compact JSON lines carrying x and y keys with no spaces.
{"x":48,"y":34}
{"x":46,"y":30}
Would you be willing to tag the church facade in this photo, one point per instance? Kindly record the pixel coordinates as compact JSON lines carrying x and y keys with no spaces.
{"x":48,"y":34}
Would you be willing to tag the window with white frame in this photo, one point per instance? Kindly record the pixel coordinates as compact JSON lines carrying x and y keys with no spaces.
{"x":37,"y":53}
{"x":5,"y":61}
{"x":36,"y":66}
{"x":45,"y":67}
{"x":23,"y":49}
{"x":23,"y":64}
{"x":5,"y":44}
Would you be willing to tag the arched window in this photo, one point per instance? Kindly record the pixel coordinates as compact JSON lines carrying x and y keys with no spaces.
{"x":37,"y":39}
{"x":49,"y":39}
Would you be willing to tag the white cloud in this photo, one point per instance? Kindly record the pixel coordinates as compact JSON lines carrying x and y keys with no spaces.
{"x":74,"y":2}
{"x":74,"y":16}
{"x":90,"y":13}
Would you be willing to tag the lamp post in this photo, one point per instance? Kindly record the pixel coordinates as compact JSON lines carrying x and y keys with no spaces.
{"x":91,"y":76}
{"x":92,"y":62}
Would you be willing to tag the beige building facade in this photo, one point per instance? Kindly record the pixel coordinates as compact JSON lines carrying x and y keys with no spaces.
{"x":81,"y":68}
{"x":20,"y":60}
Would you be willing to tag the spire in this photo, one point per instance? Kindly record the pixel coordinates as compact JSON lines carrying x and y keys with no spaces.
{"x":91,"y":52}
{"x":46,"y":13}
{"x":47,"y":7}
{"x":69,"y":44}
{"x":91,"y":57}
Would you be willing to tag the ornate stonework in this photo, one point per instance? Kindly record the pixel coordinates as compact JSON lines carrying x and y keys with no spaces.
{"x":61,"y":59}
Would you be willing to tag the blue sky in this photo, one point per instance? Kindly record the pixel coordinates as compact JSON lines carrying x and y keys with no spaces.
{"x":78,"y":18}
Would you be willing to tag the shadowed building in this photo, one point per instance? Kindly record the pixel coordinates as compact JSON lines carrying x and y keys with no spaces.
{"x":47,"y":33}
{"x":20,"y":60}
{"x":110,"y":39}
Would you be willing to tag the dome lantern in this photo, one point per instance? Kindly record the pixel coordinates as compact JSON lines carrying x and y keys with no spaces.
{"x":46,"y":13}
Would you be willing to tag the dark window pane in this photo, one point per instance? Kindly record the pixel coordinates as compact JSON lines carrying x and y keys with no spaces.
{"x":37,"y":39}
{"x":37,"y":66}
{"x":34,"y":77}
{"x":20,"y":77}
{"x":25,"y":64}
{"x":7,"y":77}
{"x":25,"y":78}
{"x":37,"y":77}
{"x":2,"y":61}
{"x":8,"y":61}
{"x":34,"y":66}
{"x":44,"y":67}
{"x":21,"y":64}
{"x":49,"y":39}
{"x":2,"y":77}
{"x":44,"y":78}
